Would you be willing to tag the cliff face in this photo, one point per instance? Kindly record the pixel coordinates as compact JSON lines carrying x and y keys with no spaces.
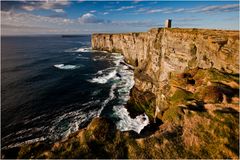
{"x":160,"y":53}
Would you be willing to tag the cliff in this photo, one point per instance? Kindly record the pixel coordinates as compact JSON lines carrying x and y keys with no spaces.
{"x":164,"y":50}
{"x":161,"y":53}
{"x":187,"y":78}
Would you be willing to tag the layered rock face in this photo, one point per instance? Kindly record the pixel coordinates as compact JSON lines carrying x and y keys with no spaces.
{"x":165,"y":50}
{"x":160,"y":53}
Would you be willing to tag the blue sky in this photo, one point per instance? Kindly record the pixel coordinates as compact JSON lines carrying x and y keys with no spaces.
{"x":86,"y":17}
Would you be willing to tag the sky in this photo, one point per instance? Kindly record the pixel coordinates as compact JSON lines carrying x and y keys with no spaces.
{"x":87,"y":17}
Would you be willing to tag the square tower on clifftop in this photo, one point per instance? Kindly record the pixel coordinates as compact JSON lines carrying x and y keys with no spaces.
{"x":168,"y":23}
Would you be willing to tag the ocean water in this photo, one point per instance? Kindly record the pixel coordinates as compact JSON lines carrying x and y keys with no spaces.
{"x":53,"y":86}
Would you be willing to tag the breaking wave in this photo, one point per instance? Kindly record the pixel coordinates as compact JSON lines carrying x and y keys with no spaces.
{"x":103,"y":79}
{"x":126,"y":123}
{"x":111,"y":97}
{"x":25,"y":142}
{"x":70,"y":122}
{"x":79,"y":56}
{"x":123,"y":81}
{"x":66,"y":67}
{"x":82,"y":49}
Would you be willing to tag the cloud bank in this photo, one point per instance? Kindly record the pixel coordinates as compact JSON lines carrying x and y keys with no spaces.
{"x":206,"y":9}
{"x":22,"y":17}
{"x":56,"y":5}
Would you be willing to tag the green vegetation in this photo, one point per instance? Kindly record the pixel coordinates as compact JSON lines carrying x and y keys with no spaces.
{"x":193,"y":49}
{"x":173,"y":114}
{"x":181,"y":96}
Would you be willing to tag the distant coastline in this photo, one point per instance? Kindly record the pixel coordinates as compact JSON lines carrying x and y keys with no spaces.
{"x":73,"y":36}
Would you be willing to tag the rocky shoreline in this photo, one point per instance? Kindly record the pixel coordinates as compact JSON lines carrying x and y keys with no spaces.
{"x":186,"y":81}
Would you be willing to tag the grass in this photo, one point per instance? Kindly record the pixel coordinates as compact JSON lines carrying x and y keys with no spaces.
{"x":181,"y":96}
{"x":140,"y":108}
{"x":173,"y":114}
{"x":218,"y":130}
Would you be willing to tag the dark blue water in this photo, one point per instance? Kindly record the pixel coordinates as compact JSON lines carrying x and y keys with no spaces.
{"x":52,"y":86}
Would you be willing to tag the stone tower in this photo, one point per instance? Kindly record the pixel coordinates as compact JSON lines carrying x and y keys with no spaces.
{"x":168,"y":23}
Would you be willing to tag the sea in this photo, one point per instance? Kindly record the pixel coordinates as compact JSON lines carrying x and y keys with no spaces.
{"x":52,"y":86}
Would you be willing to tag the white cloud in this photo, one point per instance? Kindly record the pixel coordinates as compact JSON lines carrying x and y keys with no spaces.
{"x":105,"y":13}
{"x":89,"y":18}
{"x":48,"y":5}
{"x":137,"y":23}
{"x":224,"y":8}
{"x":158,"y":10}
{"x":13,"y":23}
{"x":206,"y":9}
{"x":22,"y":20}
{"x":137,"y":1}
{"x":80,"y":1}
{"x":180,"y":10}
{"x":27,"y":20}
{"x":123,"y":8}
{"x":142,"y":9}
{"x":93,"y":11}
{"x":166,"y":10}
{"x":187,"y":19}
{"x":35,"y":5}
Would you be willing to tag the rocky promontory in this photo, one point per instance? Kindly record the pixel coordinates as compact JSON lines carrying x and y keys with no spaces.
{"x":160,"y":54}
{"x":186,"y":81}
{"x":188,"y":78}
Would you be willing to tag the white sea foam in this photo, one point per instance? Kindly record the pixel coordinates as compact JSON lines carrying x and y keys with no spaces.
{"x":111,"y":97}
{"x":105,"y":71}
{"x":34,"y":119}
{"x":95,"y":93}
{"x":117,"y":55}
{"x":103,"y":79}
{"x":25,"y":142}
{"x":66,"y":67}
{"x":29,"y":130}
{"x":125,"y":67}
{"x":124,"y":86}
{"x":70,"y":50}
{"x":79,"y":56}
{"x":69,"y":122}
{"x":100,"y":72}
{"x":117,"y":62}
{"x":99,"y":58}
{"x":126,"y":123}
{"x":83,"y":50}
